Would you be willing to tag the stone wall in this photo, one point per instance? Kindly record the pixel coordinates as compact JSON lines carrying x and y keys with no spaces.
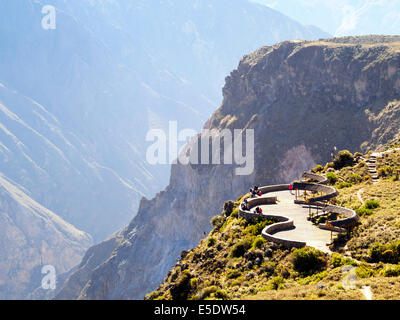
{"x":283,"y":223}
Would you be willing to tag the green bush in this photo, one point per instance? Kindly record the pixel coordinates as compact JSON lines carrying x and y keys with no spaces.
{"x":381,"y":172}
{"x":337,"y":260}
{"x":375,"y":252}
{"x":388,"y":256}
{"x":371,"y":204}
{"x":308,"y":260}
{"x":388,"y":253}
{"x":343,"y":185}
{"x":332,"y":178}
{"x":364,"y":211}
{"x":228,"y":208}
{"x":391,"y":271}
{"x":258,"y":242}
{"x":329,"y":165}
{"x":219,"y":294}
{"x":276,"y":283}
{"x":240,"y":248}
{"x":364,"y":271}
{"x":355,"y":178}
{"x":343,"y":159}
{"x":193,"y":283}
{"x":206,"y":292}
{"x":180,"y":290}
{"x":217,"y":221}
{"x":257,"y":226}
{"x":318,"y":168}
{"x":235,"y":213}
{"x":210,"y":242}
{"x":233,"y":274}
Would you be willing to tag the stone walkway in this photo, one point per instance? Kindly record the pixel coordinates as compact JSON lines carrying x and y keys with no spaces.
{"x":304,"y":230}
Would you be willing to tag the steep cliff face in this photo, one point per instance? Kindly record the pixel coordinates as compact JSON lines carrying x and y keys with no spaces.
{"x":301,"y":98}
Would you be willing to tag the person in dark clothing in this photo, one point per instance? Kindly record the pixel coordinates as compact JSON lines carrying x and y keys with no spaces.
{"x":245,"y":205}
{"x":258,"y":210}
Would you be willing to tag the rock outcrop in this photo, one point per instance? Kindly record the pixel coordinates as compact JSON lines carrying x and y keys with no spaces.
{"x":301,"y":98}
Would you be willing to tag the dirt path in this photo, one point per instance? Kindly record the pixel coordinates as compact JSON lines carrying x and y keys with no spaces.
{"x":359,"y":195}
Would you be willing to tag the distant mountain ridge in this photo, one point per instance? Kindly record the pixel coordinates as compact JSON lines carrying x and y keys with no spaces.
{"x":31,"y":237}
{"x":109,"y":72}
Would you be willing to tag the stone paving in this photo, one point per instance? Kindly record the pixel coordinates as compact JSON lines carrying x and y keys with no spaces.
{"x":303,"y":230}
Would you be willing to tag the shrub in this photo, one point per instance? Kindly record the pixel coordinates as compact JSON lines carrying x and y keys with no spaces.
{"x":258,"y":242}
{"x":193,"y":283}
{"x":181,"y":289}
{"x":217,"y":222}
{"x":375,"y":252}
{"x":228,"y":208}
{"x":332,"y":178}
{"x":381,"y":172}
{"x":336,"y":260}
{"x":364,"y":271}
{"x":343,"y":185}
{"x":206,"y":292}
{"x":364,"y":211}
{"x":388,"y":253}
{"x":308,"y":260}
{"x":276,"y":283}
{"x":318,"y":168}
{"x":233,"y":274}
{"x":371,"y":204}
{"x":240,"y":248}
{"x":391,"y":271}
{"x":389,"y":170}
{"x":257,"y":226}
{"x":220,"y":294}
{"x":355,"y":178}
{"x":210,"y":242}
{"x":388,"y":256}
{"x":343,"y":159}
{"x":329,"y":165}
{"x":235,"y":213}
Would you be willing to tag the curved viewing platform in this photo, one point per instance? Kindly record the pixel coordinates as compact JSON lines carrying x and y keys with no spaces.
{"x":284,"y":204}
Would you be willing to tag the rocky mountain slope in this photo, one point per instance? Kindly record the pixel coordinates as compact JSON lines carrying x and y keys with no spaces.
{"x":109,"y":72}
{"x":301,"y":98}
{"x":31,"y":237}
